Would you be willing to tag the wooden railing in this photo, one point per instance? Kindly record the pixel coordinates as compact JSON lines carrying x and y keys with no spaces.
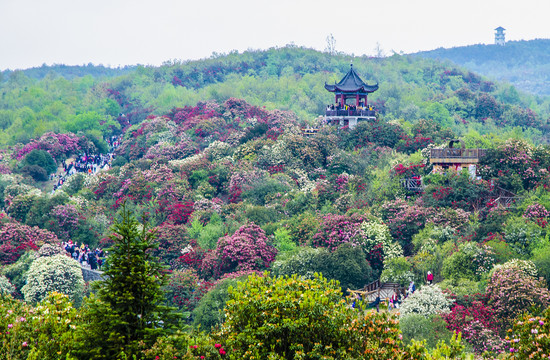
{"x":369,"y":113}
{"x":457,"y":153}
{"x":413,"y":184}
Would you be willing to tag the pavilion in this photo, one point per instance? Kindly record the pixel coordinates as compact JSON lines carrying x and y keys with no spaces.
{"x":350,"y":97}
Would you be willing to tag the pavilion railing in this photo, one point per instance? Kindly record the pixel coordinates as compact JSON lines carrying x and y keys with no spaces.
{"x":457,"y":153}
{"x":369,"y":113}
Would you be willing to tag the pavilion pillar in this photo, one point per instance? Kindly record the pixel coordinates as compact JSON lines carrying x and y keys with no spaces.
{"x":357,"y":99}
{"x":343,"y":100}
{"x":335,"y":98}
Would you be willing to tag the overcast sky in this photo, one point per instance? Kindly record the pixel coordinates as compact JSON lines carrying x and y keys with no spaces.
{"x":121,"y":32}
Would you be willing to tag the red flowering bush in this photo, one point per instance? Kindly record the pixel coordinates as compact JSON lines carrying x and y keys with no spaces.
{"x":247,"y":249}
{"x":461,"y":316}
{"x":16,"y":238}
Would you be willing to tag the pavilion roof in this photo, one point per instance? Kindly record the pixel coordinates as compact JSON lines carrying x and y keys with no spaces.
{"x":351,"y":83}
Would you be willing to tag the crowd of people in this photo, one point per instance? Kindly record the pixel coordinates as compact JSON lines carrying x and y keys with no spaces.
{"x":86,"y":163}
{"x":338,"y":106}
{"x":92,"y":259}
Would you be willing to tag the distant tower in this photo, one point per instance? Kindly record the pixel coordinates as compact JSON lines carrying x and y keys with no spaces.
{"x":499,"y":36}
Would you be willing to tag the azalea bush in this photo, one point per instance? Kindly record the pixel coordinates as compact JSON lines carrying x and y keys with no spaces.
{"x":285,"y":317}
{"x":511,"y":293}
{"x":16,"y":238}
{"x":529,"y":337}
{"x":247,"y":249}
{"x":428,"y":300}
{"x":58,"y":273}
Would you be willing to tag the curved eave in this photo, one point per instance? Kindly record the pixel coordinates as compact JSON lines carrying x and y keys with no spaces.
{"x":361,"y":89}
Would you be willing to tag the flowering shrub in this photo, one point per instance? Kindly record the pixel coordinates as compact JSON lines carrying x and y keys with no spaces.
{"x":538,"y":214}
{"x":338,"y":229}
{"x":374,"y":233}
{"x":286,"y":317}
{"x":529,"y":337}
{"x":46,"y":331}
{"x":184,"y":289}
{"x":16,"y":238}
{"x":429,"y":300}
{"x":527,"y":267}
{"x":65,"y":221}
{"x":405,"y":220}
{"x":247,"y":249}
{"x":6,"y":288}
{"x":460,"y":317}
{"x":511,"y":292}
{"x":56,"y":144}
{"x":58,"y":273}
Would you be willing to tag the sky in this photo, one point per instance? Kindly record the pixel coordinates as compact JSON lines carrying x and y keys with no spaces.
{"x":121,"y":32}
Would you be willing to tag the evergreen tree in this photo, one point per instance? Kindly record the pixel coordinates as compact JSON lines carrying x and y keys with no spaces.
{"x":127,"y":314}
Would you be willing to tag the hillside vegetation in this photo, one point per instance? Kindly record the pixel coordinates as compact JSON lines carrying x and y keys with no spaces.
{"x":524,"y":64}
{"x":225,"y":232}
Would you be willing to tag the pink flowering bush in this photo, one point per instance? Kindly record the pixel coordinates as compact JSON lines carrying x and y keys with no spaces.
{"x":338,"y":229}
{"x":65,"y":219}
{"x":512,"y":292}
{"x":537,"y":213}
{"x":247,"y":249}
{"x":57,"y":145}
{"x":405,"y":220}
{"x":16,"y":238}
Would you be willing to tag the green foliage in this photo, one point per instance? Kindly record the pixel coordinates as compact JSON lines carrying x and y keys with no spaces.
{"x":285,"y":318}
{"x":58,"y":273}
{"x":418,"y":327}
{"x":347,"y":265}
{"x":209,"y":312}
{"x":6,"y":288}
{"x":283,"y":241}
{"x":16,"y":273}
{"x":127,"y":313}
{"x":42,"y":159}
{"x":397,"y":270}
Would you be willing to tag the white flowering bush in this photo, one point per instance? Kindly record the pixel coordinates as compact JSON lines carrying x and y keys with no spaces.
{"x":526,"y":266}
{"x":218,"y":150}
{"x":50,"y":250}
{"x":429,"y":300}
{"x":374,"y":233}
{"x":58,"y":273}
{"x":6,"y":288}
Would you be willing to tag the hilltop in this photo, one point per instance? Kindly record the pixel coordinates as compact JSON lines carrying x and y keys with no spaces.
{"x":290,"y":78}
{"x":524,"y":64}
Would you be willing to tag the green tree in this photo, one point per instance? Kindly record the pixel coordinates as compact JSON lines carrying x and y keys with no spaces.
{"x":127,"y":314}
{"x":41,"y":158}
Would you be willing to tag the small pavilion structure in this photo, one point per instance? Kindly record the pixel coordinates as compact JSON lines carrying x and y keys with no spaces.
{"x":351,"y":100}
{"x":456,"y":158}
{"x":500,"y":36}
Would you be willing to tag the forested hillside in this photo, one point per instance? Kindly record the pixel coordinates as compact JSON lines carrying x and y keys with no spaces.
{"x":224,"y":232}
{"x":524,"y":64}
{"x":287,"y":79}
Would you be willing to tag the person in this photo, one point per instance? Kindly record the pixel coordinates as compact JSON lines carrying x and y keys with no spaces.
{"x":430,"y":277}
{"x":412,"y":288}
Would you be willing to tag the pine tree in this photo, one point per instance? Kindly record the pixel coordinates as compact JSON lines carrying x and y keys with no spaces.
{"x":127,"y":314}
